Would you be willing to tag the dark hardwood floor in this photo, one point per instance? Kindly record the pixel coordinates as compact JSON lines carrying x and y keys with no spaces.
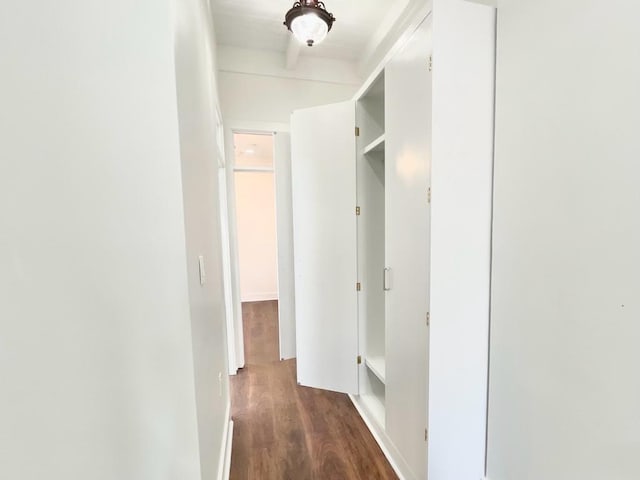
{"x":283,"y":431}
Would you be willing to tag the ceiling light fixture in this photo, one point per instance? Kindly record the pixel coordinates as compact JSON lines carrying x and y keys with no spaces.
{"x":309,"y":21}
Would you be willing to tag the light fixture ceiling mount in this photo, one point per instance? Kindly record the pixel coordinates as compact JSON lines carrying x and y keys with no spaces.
{"x":309,"y":21}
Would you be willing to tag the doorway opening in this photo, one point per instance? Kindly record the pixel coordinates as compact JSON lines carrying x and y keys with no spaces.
{"x":255,"y":202}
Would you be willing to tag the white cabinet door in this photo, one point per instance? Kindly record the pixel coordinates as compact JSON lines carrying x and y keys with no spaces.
{"x":324,"y":233}
{"x":407,"y":180}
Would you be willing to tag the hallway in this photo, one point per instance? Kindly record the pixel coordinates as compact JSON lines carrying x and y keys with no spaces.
{"x":283,"y":431}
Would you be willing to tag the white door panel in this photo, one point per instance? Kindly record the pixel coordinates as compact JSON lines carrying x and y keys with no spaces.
{"x":408,"y":164}
{"x":324,"y":232}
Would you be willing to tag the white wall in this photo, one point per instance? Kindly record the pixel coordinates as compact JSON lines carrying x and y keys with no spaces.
{"x":256,"y":217}
{"x":262,"y":98}
{"x":564,"y":387}
{"x":96,"y":361}
{"x":196,"y":88}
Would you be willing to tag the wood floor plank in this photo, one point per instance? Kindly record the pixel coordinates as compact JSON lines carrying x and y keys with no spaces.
{"x":284,"y":431}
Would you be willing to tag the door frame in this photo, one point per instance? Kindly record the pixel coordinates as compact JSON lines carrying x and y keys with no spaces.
{"x":257,"y":128}
{"x":221,"y":161}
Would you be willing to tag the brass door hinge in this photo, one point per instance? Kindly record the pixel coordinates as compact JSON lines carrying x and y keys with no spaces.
{"x":359,"y":359}
{"x":357,"y":131}
{"x":357,"y":210}
{"x":426,"y":435}
{"x":428,"y":319}
{"x":358,"y":286}
{"x":429,"y":195}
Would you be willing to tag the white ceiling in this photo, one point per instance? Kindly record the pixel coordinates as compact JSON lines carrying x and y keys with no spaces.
{"x":359,"y":26}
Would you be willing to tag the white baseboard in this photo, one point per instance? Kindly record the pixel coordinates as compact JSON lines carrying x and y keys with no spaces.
{"x":259,"y":297}
{"x":224,"y":464}
{"x":395,"y":459}
{"x":229,"y":447}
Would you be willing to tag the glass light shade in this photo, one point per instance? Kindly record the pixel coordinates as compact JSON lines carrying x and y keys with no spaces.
{"x":309,"y":28}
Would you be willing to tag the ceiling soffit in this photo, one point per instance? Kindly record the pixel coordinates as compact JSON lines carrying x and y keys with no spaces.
{"x":352,"y":42}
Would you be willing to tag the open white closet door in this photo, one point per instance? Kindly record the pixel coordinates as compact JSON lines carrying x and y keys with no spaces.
{"x":324,"y":232}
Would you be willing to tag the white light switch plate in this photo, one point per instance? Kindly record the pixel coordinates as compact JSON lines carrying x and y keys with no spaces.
{"x":203,"y":275}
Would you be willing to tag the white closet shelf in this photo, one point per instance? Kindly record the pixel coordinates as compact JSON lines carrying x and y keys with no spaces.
{"x":377,"y":366}
{"x":376,"y":146}
{"x":375,"y":406}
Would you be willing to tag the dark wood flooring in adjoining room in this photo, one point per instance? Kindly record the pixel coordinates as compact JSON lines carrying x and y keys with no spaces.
{"x":283,"y":431}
